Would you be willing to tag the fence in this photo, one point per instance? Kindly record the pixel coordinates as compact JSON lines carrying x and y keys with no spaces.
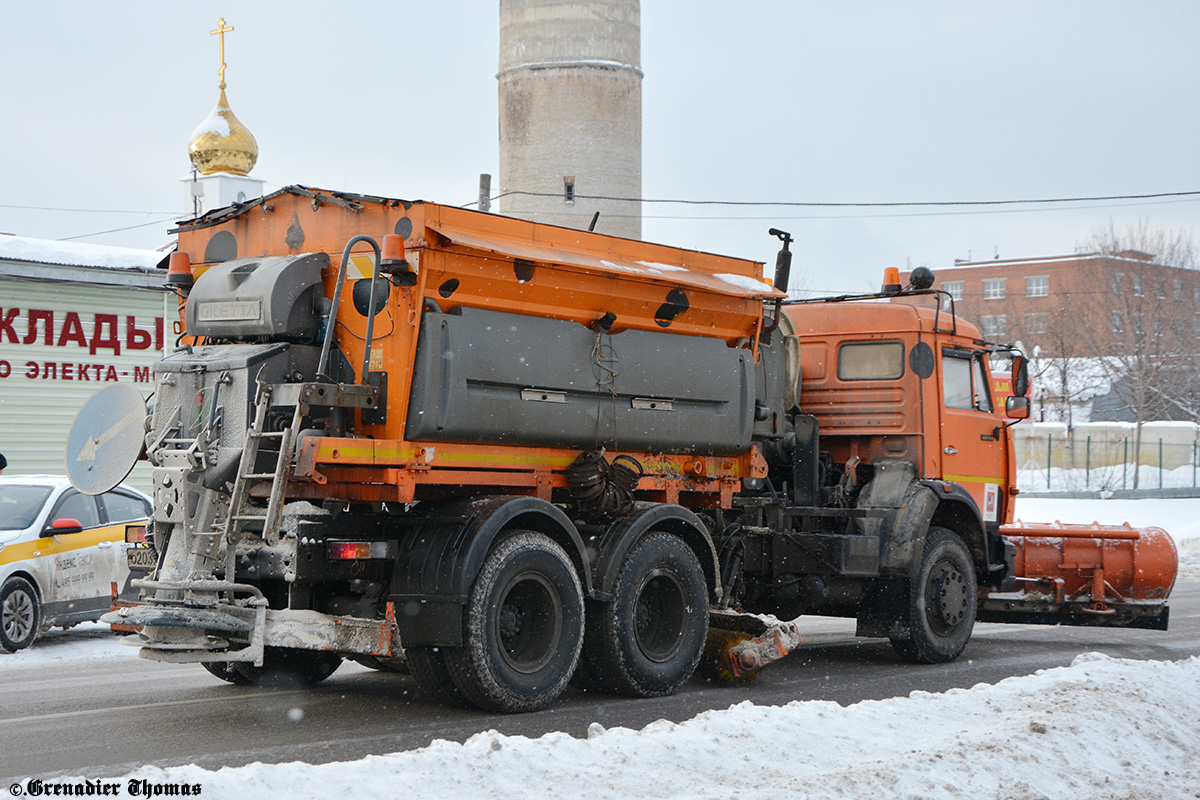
{"x":1100,"y":456}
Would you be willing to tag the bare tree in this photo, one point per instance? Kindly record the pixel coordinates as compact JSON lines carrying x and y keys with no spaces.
{"x":1152,"y":364}
{"x":1171,"y":247}
{"x":1063,"y":369}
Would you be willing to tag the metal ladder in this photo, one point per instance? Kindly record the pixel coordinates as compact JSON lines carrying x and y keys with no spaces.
{"x":240,"y":510}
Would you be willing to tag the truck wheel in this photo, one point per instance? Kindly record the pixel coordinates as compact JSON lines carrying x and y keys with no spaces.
{"x":523,"y":627}
{"x":942,"y":602}
{"x":649,"y":639}
{"x":20,"y":615}
{"x":284,"y":666}
{"x":226,"y":671}
{"x":428,"y":667}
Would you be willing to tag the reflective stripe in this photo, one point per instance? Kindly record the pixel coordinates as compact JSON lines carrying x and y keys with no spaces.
{"x":62,"y":543}
{"x":973,"y":479}
{"x":501,"y":458}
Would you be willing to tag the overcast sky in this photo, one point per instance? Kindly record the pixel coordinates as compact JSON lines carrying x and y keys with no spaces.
{"x":777,"y":100}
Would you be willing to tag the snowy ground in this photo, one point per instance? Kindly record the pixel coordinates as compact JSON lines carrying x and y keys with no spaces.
{"x":1101,"y":728}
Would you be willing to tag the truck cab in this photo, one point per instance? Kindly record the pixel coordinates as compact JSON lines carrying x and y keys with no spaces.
{"x":898,"y":382}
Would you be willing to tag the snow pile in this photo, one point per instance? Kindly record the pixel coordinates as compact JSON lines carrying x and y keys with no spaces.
{"x":1101,"y":728}
{"x":44,"y":251}
{"x":745,"y":282}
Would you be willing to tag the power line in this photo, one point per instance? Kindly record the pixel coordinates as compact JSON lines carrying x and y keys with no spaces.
{"x":822,"y":204}
{"x":882,"y":215}
{"x":89,"y":210}
{"x":113,"y":230}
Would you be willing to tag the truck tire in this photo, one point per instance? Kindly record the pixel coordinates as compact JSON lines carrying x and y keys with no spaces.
{"x":649,"y":639}
{"x":942,"y":601}
{"x":284,"y":666}
{"x":226,"y":671}
{"x":523,"y":626}
{"x":428,"y":667}
{"x":20,"y":615}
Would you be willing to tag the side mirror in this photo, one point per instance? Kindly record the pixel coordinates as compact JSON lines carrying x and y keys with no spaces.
{"x":1020,"y":375}
{"x":1017,"y":407}
{"x":63,"y":525}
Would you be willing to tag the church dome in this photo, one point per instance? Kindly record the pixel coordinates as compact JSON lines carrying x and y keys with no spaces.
{"x":221,"y":143}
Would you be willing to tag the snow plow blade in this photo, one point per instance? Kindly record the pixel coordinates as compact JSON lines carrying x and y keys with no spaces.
{"x":1098,"y":575}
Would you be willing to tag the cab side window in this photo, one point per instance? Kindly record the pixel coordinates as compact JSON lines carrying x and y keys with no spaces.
{"x":78,"y":506}
{"x":119,"y":507}
{"x":983,"y":398}
{"x":956,"y":381}
{"x":965,"y":382}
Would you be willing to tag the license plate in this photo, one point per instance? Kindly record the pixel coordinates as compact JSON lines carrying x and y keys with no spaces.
{"x":143,"y":557}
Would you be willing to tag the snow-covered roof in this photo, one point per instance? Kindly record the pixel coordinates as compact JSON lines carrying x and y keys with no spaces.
{"x":77,"y":254}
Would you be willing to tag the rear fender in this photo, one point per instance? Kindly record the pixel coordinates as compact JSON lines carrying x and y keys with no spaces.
{"x":442,"y":549}
{"x":611,"y":547}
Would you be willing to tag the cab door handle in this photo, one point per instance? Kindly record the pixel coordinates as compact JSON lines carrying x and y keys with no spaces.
{"x":948,"y":450}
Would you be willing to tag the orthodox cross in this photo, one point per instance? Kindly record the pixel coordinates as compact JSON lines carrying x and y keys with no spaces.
{"x":221,"y":31}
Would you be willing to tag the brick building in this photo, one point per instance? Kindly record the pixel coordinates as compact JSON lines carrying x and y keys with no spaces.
{"x":1092,"y":303}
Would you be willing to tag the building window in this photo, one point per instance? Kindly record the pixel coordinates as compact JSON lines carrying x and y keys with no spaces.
{"x":1178,"y":294}
{"x":995,"y":327}
{"x":1196,"y":294}
{"x":1160,"y":289}
{"x":1037,"y":286}
{"x":1117,"y":324}
{"x":954,"y":289}
{"x":569,"y":189}
{"x":1137,"y":285}
{"x":1036,"y":323}
{"x":993,"y":289}
{"x":1118,"y":282}
{"x":1138,"y":327}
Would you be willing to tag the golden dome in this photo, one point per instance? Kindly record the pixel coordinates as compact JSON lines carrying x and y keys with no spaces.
{"x":221,"y":143}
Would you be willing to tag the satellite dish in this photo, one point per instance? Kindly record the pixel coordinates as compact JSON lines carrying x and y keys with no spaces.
{"x":106,"y":439}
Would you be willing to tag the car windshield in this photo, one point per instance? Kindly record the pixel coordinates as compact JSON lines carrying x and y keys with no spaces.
{"x":19,"y":505}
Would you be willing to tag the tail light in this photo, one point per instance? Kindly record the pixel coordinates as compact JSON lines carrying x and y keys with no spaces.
{"x":135,"y":534}
{"x":355,"y":551}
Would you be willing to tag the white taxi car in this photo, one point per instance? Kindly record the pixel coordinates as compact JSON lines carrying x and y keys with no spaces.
{"x":60,"y":553}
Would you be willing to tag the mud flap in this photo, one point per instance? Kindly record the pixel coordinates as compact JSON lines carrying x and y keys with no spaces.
{"x":884,"y":610}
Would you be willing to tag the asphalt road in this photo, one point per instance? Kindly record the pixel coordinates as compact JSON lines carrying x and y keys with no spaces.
{"x":102,"y":718}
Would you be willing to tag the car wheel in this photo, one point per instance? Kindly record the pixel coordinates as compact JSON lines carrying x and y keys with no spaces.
{"x":20,"y":615}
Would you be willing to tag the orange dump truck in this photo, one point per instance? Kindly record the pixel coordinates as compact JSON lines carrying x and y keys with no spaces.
{"x":506,"y":456}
